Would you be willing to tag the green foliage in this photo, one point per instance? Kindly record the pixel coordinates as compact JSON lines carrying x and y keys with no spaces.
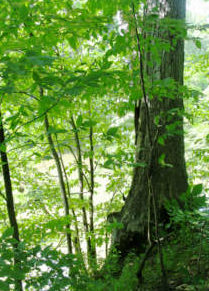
{"x":40,"y":267}
{"x":185,"y":249}
{"x":75,"y":59}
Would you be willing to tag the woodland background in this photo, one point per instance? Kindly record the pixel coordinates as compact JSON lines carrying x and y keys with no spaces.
{"x":69,"y":85}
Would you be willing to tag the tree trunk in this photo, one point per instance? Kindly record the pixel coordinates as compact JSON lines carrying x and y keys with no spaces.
{"x":62,"y":185}
{"x":91,"y":254}
{"x":91,"y":198}
{"x":160,"y":138}
{"x":10,"y":201}
{"x":76,"y":238}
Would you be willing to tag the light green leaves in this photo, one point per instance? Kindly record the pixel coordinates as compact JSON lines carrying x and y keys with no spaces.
{"x":162,"y":161}
{"x":197,"y":190}
{"x":54,"y":130}
{"x":86,"y":123}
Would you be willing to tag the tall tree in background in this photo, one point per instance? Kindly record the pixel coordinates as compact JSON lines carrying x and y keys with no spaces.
{"x":160,"y":171}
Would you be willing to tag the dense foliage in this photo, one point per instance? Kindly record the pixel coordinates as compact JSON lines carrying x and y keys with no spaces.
{"x":69,"y":84}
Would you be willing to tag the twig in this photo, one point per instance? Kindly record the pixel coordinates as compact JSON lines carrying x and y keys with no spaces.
{"x":28,"y":94}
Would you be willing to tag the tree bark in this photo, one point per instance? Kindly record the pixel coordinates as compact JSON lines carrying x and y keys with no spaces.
{"x":160,"y":138}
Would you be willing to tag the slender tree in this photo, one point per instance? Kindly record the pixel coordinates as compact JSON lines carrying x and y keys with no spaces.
{"x":91,"y":251}
{"x":76,"y":239}
{"x":61,"y":182}
{"x":10,"y":200}
{"x":91,"y":198}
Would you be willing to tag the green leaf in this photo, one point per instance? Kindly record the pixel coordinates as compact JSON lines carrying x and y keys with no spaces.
{"x":21,"y":246}
{"x":74,"y":91}
{"x":197,"y":189}
{"x":72,"y":42}
{"x":7,"y":89}
{"x":7,"y":255}
{"x":2,"y":148}
{"x":7,"y":233}
{"x":112,"y":131}
{"x":107,"y":65}
{"x":142,"y":165}
{"x":36,"y":78}
{"x":53,"y":130}
{"x":4,"y":286}
{"x":161,"y":140}
{"x":89,"y":123}
{"x":162,"y":162}
{"x":79,"y":120}
{"x":47,"y":158}
{"x":108,"y":163}
{"x":41,"y":60}
{"x":198,"y":44}
{"x":4,"y":271}
{"x":161,"y":159}
{"x":18,"y":274}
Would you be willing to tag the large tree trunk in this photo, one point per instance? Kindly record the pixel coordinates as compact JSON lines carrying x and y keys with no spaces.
{"x":160,"y":139}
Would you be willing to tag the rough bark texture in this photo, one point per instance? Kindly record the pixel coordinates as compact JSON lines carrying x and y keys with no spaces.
{"x":167,"y":182}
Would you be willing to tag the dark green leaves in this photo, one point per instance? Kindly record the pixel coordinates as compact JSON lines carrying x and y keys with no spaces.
{"x":198,"y":44}
{"x":4,"y":286}
{"x":79,"y":120}
{"x":7,"y":233}
{"x":89,"y":123}
{"x":84,"y":124}
{"x":112,"y":131}
{"x":197,"y":190}
{"x":39,"y":60}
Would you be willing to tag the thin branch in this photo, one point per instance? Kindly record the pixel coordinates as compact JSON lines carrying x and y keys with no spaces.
{"x":35,"y":118}
{"x":20,"y":147}
{"x":60,"y":242}
{"x":142,"y":76}
{"x":28,"y":94}
{"x":76,"y":159}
